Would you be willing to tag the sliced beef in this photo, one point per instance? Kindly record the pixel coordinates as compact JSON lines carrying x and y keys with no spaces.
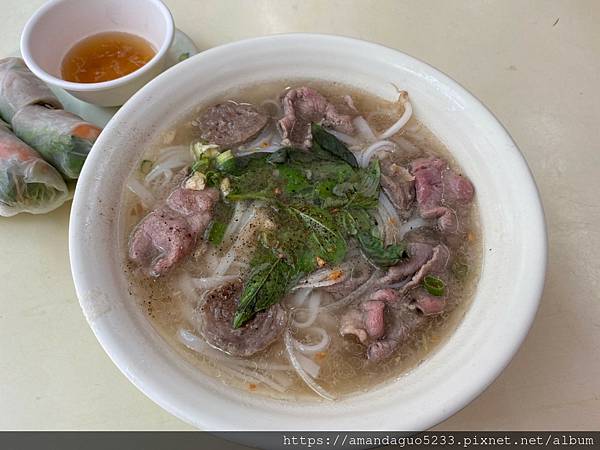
{"x":418,"y":254}
{"x":301,"y":107}
{"x":399,"y":185}
{"x":230,"y":124}
{"x":404,"y":324}
{"x":439,"y":191}
{"x":429,"y":304}
{"x":367,"y":321}
{"x":217,"y":312}
{"x":361,"y":272}
{"x":168,"y":234}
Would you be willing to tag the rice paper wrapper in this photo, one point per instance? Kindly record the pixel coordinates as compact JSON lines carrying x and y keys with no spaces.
{"x":27,"y":182}
{"x":19,"y":87}
{"x":63,"y":139}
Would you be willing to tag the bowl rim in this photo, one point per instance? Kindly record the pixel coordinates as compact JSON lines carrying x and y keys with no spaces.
{"x":91,"y":87}
{"x":536,"y":277}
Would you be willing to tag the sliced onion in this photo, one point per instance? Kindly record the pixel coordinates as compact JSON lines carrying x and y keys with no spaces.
{"x":406,"y":115}
{"x":143,"y":193}
{"x":311,"y":349}
{"x":374,"y":149}
{"x":363,"y":129}
{"x":310,"y":382}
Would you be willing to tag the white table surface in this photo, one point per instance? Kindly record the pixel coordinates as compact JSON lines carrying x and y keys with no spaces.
{"x":535,"y":64}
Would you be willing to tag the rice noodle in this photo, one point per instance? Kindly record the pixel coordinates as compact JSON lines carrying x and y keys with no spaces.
{"x":185,"y":284}
{"x":363,"y":129}
{"x":311,"y":367}
{"x":172,"y":158}
{"x":312,"y":311}
{"x":142,"y":192}
{"x":320,"y":346}
{"x":197,"y":344}
{"x":212,"y":282}
{"x":370,"y":151}
{"x":406,"y":115}
{"x":297,"y":298}
{"x":324,"y":277}
{"x":254,"y":377}
{"x":229,"y":257}
{"x":239,"y":210}
{"x":391,"y":219}
{"x":413,"y":223}
{"x":310,"y":382}
{"x":354,"y":295}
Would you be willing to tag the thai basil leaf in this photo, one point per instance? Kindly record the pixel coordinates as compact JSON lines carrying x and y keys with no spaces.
{"x":328,"y":243}
{"x":375,"y":250}
{"x":331,"y":144}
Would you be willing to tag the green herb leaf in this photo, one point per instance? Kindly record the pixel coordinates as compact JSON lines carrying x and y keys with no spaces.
{"x":331,"y":144}
{"x":146,"y":166}
{"x":225,"y":162}
{"x":216,"y":232}
{"x":434,"y":285}
{"x":266,"y":285}
{"x":375,"y":250}
{"x":329,"y":244}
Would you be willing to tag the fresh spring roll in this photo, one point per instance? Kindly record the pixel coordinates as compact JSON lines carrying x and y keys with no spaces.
{"x":27,"y":182}
{"x":19,"y":87}
{"x":63,"y":139}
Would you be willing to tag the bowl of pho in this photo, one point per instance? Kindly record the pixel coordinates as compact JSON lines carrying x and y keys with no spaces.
{"x":307,"y":232}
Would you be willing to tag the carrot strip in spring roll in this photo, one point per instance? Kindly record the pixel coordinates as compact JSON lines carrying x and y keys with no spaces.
{"x":62,"y":138}
{"x":27,"y":182}
{"x":19,"y":87}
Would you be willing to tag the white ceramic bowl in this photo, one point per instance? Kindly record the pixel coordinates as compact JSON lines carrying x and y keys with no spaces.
{"x":511,"y":218}
{"x":59,"y":24}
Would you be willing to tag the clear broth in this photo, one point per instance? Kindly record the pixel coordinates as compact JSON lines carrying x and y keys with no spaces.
{"x":344,"y":368}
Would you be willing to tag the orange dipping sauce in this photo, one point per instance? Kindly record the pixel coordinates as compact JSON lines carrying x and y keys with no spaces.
{"x":105,"y":56}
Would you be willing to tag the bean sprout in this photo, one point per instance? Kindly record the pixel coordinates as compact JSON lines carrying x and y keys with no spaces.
{"x":373,"y":149}
{"x":406,"y":115}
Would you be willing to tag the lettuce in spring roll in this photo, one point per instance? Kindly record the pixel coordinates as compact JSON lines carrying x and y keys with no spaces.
{"x":27,"y":182}
{"x":19,"y":87}
{"x":63,"y":139}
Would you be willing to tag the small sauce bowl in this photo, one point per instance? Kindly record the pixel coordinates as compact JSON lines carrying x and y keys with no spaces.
{"x":59,"y":24}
